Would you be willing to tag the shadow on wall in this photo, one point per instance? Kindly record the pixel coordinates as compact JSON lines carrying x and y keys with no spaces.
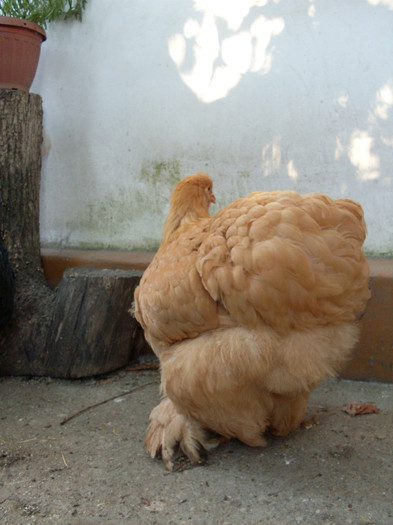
{"x":221,"y":42}
{"x":225,"y":45}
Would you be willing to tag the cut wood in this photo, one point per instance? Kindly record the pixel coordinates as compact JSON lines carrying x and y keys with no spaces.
{"x":91,"y":331}
{"x":84,"y":328}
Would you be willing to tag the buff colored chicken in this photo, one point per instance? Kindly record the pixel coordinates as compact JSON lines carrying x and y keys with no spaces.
{"x":248,"y":311}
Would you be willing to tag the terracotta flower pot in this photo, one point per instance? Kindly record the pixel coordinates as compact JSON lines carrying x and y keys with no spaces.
{"x":20,"y":45}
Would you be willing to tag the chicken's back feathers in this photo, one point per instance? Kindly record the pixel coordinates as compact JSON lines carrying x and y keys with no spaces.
{"x":281,"y":259}
{"x":292,"y":261}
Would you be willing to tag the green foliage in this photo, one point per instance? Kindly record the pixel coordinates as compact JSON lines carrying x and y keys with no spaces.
{"x":43,"y":11}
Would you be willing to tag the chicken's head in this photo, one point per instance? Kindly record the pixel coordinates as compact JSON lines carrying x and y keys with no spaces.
{"x":193,"y":191}
{"x":190,"y":200}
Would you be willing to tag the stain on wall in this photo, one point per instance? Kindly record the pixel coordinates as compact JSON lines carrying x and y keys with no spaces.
{"x":123,"y":211}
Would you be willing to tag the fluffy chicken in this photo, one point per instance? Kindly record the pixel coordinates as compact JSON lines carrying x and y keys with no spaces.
{"x":248,"y":311}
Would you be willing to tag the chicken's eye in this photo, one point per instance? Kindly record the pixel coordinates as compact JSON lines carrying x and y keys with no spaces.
{"x":209,"y":188}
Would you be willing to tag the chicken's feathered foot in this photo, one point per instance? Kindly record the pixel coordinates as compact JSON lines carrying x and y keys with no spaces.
{"x":169,"y":430}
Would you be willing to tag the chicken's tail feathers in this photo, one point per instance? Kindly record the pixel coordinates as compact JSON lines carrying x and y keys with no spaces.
{"x":355,"y":222}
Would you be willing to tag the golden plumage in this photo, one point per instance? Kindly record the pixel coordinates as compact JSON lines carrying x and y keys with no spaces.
{"x":248,"y":310}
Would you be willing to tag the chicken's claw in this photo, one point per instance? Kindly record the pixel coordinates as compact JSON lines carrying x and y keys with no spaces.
{"x":169,"y":430}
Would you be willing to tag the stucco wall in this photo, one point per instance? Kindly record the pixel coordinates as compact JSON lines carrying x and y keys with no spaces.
{"x":261,"y":94}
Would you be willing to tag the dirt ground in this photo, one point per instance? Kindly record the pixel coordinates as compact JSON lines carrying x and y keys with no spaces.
{"x":337,"y":469}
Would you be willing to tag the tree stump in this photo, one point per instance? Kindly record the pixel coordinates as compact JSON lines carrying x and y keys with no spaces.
{"x":23,"y":339}
{"x":91,"y":329}
{"x":85,"y":328}
{"x":7,"y":286}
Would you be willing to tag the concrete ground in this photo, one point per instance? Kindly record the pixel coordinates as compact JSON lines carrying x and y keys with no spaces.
{"x":337,"y":469}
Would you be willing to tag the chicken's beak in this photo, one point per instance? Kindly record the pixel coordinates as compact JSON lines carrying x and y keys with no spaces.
{"x":212,"y":199}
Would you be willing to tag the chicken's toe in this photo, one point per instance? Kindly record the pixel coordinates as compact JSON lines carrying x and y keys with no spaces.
{"x":169,"y":430}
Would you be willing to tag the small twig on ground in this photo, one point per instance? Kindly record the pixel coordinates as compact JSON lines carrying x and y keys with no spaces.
{"x":136,"y":368}
{"x":139,"y":387}
{"x":64,"y":461}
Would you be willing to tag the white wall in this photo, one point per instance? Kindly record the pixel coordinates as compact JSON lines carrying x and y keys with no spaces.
{"x":261,"y":94}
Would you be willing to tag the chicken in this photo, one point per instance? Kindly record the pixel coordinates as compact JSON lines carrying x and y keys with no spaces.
{"x":248,"y":311}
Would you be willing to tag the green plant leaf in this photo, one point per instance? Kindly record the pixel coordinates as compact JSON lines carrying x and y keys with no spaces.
{"x":43,"y":11}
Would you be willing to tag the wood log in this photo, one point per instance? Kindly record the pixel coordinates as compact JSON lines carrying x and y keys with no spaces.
{"x":20,"y":176}
{"x":85,"y":328}
{"x":23,"y":339}
{"x":91,"y":331}
{"x":7,"y":286}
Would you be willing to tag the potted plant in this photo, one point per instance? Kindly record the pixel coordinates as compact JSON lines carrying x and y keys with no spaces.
{"x":22,"y":31}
